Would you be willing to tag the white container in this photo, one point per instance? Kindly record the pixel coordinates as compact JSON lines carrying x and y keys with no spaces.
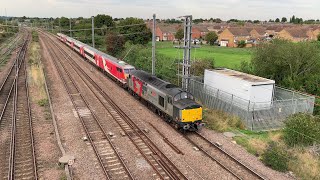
{"x":240,"y":89}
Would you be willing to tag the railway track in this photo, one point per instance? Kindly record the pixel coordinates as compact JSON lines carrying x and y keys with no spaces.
{"x":5,"y":51}
{"x":164,"y":168}
{"x":222,"y":157}
{"x":15,"y":119}
{"x":109,"y":158}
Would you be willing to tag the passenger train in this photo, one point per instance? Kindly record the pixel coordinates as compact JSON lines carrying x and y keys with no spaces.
{"x":167,"y":100}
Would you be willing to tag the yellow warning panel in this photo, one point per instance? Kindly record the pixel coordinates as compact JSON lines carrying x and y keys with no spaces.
{"x":191,"y":115}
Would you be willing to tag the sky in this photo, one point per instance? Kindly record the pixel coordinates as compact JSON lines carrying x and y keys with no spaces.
{"x":224,"y":9}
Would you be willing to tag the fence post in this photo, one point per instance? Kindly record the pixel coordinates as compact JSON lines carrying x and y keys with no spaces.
{"x":248,"y":111}
{"x":231,"y":103}
{"x":217,"y":98}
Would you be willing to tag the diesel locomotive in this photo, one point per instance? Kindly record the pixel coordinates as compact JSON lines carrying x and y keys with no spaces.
{"x":169,"y":101}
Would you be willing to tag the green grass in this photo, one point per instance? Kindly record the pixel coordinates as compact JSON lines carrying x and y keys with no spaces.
{"x":223,"y":57}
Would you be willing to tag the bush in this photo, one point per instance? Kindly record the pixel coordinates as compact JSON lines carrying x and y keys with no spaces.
{"x":275,"y":157}
{"x":221,"y":121}
{"x":43,"y":102}
{"x":35,"y":36}
{"x":242,"y":44}
{"x":301,"y":129}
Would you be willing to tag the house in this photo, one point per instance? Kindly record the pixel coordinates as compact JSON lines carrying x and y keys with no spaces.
{"x":231,"y":36}
{"x":295,"y":34}
{"x":166,"y":32}
{"x":199,"y":32}
{"x":273,"y":30}
{"x":257,"y":33}
{"x":315,"y":33}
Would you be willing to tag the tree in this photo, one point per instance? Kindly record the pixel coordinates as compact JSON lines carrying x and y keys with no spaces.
{"x":115,"y":43}
{"x":293,"y":19}
{"x":198,"y":66}
{"x":277,"y":20}
{"x":284,"y":19}
{"x":102,"y":19}
{"x":318,"y":37}
{"x":135,"y":30}
{"x":211,"y":37}
{"x":179,"y":34}
{"x":292,"y":65}
{"x":241,"y":44}
{"x":64,"y":22}
{"x":256,"y":21}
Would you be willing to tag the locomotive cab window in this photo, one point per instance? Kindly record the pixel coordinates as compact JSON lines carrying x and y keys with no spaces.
{"x":161,"y":101}
{"x":183,"y":95}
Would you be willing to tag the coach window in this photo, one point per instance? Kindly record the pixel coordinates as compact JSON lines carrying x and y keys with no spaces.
{"x":161,"y":101}
{"x":170,"y":100}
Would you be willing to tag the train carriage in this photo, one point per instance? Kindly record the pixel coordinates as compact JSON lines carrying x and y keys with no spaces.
{"x":112,"y":66}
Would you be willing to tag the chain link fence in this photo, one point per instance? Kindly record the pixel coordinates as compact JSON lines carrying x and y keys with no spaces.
{"x":257,"y":116}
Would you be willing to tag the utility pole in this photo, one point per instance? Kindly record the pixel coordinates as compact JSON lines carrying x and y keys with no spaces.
{"x":5,"y":10}
{"x":70,"y":27}
{"x":59,"y":26}
{"x":92,"y":19}
{"x":186,"y":65}
{"x":154,"y":45}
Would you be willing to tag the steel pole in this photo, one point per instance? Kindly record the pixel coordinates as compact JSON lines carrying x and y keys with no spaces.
{"x":154,"y":45}
{"x":92,"y":19}
{"x":70,"y":27}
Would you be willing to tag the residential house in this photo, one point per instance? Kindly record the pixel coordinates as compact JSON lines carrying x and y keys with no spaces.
{"x":273,"y":30}
{"x":257,"y":33}
{"x":231,"y":36}
{"x":166,"y":32}
{"x":315,"y":33}
{"x":199,"y":32}
{"x":295,"y":34}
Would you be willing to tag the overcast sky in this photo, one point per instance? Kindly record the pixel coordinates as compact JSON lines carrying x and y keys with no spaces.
{"x":224,"y":9}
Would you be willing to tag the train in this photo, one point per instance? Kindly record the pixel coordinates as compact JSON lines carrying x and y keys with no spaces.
{"x":170,"y":102}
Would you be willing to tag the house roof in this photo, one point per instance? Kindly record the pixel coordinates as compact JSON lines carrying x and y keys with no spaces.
{"x":297,"y":32}
{"x":260,"y":30}
{"x":168,"y":28}
{"x":202,"y":28}
{"x":239,"y":31}
{"x":276,"y":28}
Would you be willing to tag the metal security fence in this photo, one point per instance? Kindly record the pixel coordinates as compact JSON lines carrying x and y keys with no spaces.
{"x":256,"y":116}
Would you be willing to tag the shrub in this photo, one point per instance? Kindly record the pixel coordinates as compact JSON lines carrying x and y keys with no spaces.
{"x":275,"y":157}
{"x":302,"y":129}
{"x":43,"y":102}
{"x":35,"y":36}
{"x":241,"y":44}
